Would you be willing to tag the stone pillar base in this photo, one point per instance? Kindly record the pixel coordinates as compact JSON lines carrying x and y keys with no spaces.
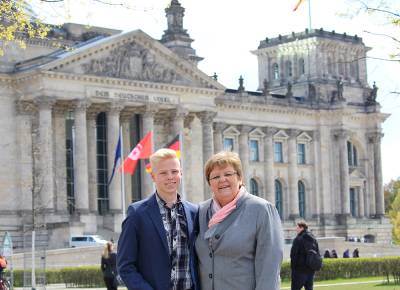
{"x":345,"y":219}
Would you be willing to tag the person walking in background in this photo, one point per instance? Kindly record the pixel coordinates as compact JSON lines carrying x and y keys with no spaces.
{"x":327,"y":254}
{"x":240,"y":240}
{"x":334,"y":254}
{"x":109,"y":266}
{"x":346,"y":253}
{"x":155,"y":249}
{"x":302,"y":271}
{"x":356,"y":253}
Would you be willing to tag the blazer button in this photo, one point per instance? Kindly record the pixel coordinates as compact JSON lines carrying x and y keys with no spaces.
{"x":210,"y":276}
{"x":210,"y":255}
{"x":217,"y":236}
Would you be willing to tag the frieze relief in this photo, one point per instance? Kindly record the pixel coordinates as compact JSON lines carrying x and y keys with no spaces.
{"x":131,"y":61}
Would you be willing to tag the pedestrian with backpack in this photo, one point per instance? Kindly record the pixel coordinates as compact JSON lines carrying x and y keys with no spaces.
{"x":305,"y":258}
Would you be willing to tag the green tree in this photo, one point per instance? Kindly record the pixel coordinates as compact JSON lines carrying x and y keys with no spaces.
{"x":390,"y":191}
{"x":392,"y":205}
{"x":18,"y":22}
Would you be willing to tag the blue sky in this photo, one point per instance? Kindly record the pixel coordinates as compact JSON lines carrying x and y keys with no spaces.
{"x":225,"y":31}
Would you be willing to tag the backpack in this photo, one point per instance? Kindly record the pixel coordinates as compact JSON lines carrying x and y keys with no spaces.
{"x":313,"y":258}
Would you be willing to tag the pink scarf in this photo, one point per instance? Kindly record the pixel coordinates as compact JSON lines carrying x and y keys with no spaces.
{"x":223,"y":212}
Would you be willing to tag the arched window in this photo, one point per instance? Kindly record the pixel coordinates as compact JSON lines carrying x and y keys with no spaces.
{"x":253,"y":187}
{"x":352,"y":154}
{"x":302,"y":199}
{"x":275,"y":70}
{"x":278,"y":197}
{"x":302,"y":66}
{"x":289,"y":71}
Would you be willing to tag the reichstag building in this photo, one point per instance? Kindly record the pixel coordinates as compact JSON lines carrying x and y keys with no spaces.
{"x":309,"y":138}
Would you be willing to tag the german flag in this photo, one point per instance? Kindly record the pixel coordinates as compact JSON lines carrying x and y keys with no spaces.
{"x":147,"y":165}
{"x":297,"y":5}
{"x":174,"y":145}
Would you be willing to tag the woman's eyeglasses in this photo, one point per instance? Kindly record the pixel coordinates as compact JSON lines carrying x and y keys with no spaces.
{"x":227,"y":175}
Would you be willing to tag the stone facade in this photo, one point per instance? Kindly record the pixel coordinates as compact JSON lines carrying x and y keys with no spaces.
{"x":309,"y":138}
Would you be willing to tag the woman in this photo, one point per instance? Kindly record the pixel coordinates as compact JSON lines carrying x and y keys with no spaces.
{"x":108,"y":267}
{"x":240,"y":243}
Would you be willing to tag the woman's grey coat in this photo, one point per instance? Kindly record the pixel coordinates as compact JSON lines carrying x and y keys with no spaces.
{"x":244,"y":251}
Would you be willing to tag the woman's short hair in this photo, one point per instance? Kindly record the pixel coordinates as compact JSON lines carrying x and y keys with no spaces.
{"x":303,"y":225}
{"x":223,"y":159}
{"x":162,"y":154}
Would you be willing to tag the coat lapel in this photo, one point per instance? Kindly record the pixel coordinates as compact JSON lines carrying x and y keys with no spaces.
{"x":189,"y":219}
{"x":154,"y":212}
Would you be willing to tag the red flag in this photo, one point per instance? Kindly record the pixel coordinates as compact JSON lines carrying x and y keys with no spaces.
{"x":175,"y":145}
{"x":297,"y":5}
{"x":141,"y":151}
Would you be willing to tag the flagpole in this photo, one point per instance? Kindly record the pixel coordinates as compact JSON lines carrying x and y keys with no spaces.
{"x":182,"y":164}
{"x":122,"y":174}
{"x":309,"y":15}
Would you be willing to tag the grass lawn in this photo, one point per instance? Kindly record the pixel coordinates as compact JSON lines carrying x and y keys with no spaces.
{"x":370,"y":283}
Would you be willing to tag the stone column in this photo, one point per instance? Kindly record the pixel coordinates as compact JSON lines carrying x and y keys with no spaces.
{"x":46,"y":161}
{"x":178,"y":121}
{"x":343,"y":136}
{"x":371,"y":176}
{"x":81,"y":174}
{"x":324,"y":151}
{"x":92,"y":160}
{"x":125,"y":125}
{"x":60,"y":158}
{"x":269,"y":164}
{"x":206,"y":119}
{"x":25,"y":112}
{"x":313,"y":204}
{"x":379,"y":198}
{"x":244,"y":153}
{"x":114,"y":189}
{"x":292,"y":174}
{"x":218,"y":138}
{"x":361,"y":211}
{"x":148,"y":125}
{"x":178,"y":125}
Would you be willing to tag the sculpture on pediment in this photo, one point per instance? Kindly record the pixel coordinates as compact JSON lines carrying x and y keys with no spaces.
{"x":339,"y":87}
{"x":312,"y":92}
{"x":266,"y":87}
{"x":371,"y":99}
{"x":131,"y":61}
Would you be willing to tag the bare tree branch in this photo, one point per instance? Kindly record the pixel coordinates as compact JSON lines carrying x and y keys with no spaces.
{"x":382,"y":34}
{"x":368,"y":8}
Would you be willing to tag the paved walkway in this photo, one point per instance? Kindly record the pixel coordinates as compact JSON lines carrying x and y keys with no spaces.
{"x":63,"y":287}
{"x":341,"y":284}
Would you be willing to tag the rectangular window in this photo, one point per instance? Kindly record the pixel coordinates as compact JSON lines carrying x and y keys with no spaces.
{"x":228,"y":144}
{"x":278,"y":154}
{"x":301,"y":153}
{"x":254,"y":156}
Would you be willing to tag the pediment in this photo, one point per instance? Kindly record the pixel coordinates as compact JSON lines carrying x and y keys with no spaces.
{"x":281,"y":134}
{"x":355,"y":173}
{"x":231,"y":131}
{"x":132,"y":56}
{"x":256,"y":133}
{"x":304,"y":137}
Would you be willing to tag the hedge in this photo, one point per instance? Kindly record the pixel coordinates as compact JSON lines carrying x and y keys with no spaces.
{"x":343,"y":268}
{"x":340,"y":268}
